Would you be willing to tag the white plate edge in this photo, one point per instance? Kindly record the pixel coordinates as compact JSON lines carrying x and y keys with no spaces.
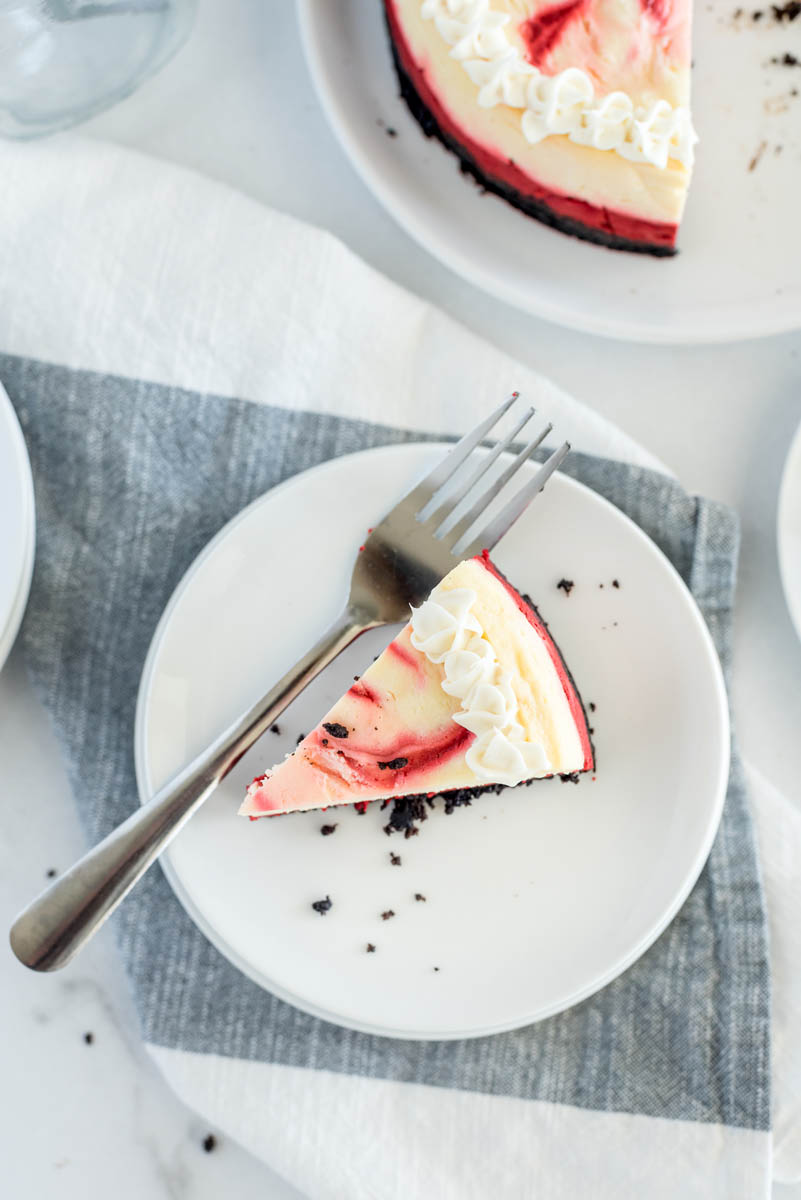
{"x":790,"y":484}
{"x":9,"y":631}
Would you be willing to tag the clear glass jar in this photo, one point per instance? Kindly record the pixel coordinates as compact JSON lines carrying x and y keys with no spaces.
{"x":62,"y":61}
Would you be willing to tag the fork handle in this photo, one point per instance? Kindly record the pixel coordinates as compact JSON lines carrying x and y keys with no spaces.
{"x":55,"y":926}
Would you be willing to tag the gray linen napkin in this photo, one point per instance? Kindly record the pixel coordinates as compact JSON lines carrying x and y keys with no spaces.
{"x":132,"y":479}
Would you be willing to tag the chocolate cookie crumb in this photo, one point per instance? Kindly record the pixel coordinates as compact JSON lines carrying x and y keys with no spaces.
{"x":566,"y":585}
{"x":573,"y":777}
{"x":409,"y":811}
{"x":322,"y":906}
{"x":436,"y":968}
{"x":786,"y":60}
{"x":405,"y":812}
{"x":615,"y":583}
{"x":335,"y":729}
{"x":592,"y":706}
{"x":419,"y":896}
{"x":300,"y":738}
{"x":51,"y":873}
{"x":327,"y":830}
{"x":370,"y":948}
{"x":393,"y":133}
{"x":89,"y":1038}
{"x":360,"y":805}
{"x":324,"y":741}
{"x":395,"y":859}
{"x":386,"y":915}
{"x":394,"y":764}
{"x":209,"y":1142}
{"x":275,"y":728}
{"x":454,"y":800}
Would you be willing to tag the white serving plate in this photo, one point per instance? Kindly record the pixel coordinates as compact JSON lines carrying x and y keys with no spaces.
{"x":536,"y":897}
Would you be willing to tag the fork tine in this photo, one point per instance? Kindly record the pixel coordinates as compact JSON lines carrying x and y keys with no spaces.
{"x":491,"y":491}
{"x":427,"y":489}
{"x":484,"y":465}
{"x":491,"y":534}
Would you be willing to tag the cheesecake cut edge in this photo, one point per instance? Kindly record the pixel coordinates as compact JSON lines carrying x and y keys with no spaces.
{"x":454,"y":797}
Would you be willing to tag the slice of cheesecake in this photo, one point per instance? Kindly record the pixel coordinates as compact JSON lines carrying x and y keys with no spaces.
{"x":575,"y":111}
{"x":471,"y":695}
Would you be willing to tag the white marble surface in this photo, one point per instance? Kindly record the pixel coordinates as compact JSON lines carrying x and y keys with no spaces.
{"x":83,"y":1121}
{"x":92,"y":1120}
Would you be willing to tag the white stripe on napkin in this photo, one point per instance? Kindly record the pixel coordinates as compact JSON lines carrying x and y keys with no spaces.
{"x":414,"y":1145}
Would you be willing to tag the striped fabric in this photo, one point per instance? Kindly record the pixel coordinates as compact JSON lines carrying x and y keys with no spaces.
{"x":166,"y":354}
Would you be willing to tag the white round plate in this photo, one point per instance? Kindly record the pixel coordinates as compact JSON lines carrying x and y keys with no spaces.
{"x":789,"y":530}
{"x":17,"y":525}
{"x":534,"y":898}
{"x":740,"y":243}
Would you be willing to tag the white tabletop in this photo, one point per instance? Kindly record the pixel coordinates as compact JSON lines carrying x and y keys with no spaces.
{"x":236,"y":105}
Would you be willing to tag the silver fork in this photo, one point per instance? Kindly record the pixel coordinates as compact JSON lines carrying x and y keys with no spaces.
{"x":415,"y":545}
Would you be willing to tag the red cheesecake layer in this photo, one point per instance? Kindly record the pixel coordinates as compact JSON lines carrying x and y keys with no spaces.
{"x":617,"y":230}
{"x":399,"y":766}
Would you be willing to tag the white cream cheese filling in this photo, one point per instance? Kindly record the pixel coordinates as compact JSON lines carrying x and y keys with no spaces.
{"x":447,"y":632}
{"x":563,"y":104}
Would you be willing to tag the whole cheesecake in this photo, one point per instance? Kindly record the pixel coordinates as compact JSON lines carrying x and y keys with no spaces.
{"x":472,"y":695}
{"x":577,"y":112}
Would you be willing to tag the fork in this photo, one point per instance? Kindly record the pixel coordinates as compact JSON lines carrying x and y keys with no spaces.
{"x":404,"y":557}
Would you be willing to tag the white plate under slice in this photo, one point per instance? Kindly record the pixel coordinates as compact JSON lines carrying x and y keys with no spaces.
{"x":736,"y":275}
{"x":17,"y":526}
{"x":535,"y":897}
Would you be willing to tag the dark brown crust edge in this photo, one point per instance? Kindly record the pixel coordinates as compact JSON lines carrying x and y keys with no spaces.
{"x":531,"y":206}
{"x":527,"y":599}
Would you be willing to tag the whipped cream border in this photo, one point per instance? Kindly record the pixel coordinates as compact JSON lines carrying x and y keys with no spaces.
{"x":447,"y":632}
{"x":557,"y":104}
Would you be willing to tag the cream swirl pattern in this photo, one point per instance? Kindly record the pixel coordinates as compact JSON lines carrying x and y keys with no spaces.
{"x":563,"y":104}
{"x":447,"y":632}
